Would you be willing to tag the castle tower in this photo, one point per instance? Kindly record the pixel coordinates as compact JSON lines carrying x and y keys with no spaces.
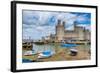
{"x":59,"y":22}
{"x":79,"y":31}
{"x":60,"y":30}
{"x":64,"y":23}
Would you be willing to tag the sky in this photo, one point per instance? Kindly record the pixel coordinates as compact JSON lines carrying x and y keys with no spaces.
{"x":37,"y":24}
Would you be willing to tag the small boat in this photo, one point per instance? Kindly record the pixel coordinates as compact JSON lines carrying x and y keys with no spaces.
{"x":68,"y":45}
{"x":73,"y":52}
{"x":45,"y":54}
{"x":29,"y":53}
{"x":39,"y":43}
{"x":26,"y":60}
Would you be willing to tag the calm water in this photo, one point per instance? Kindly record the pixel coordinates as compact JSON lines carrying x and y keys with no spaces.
{"x":52,"y":47}
{"x":41,"y":48}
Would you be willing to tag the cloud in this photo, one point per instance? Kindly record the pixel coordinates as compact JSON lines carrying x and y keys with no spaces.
{"x":38,"y":32}
{"x":46,"y":18}
{"x":84,"y":18}
{"x":36,"y":17}
{"x":30,"y":17}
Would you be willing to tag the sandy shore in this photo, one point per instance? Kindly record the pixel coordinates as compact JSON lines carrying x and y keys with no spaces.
{"x":63,"y":55}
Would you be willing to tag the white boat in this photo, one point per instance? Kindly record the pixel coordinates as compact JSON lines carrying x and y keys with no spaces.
{"x":45,"y":54}
{"x":73,"y":52}
{"x":29,"y":53}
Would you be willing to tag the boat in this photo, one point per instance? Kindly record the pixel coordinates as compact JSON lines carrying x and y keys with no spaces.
{"x":39,"y":43}
{"x":27,"y":46}
{"x":29,"y":53}
{"x":68,"y":45}
{"x":26,"y":60}
{"x":73,"y":52}
{"x":45,"y":54}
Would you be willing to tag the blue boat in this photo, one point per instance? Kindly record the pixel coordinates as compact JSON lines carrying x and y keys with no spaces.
{"x":73,"y":51}
{"x":45,"y":54}
{"x":26,"y":60}
{"x":68,"y":45}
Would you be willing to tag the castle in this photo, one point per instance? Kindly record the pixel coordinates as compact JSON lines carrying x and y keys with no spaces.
{"x":79,"y":33}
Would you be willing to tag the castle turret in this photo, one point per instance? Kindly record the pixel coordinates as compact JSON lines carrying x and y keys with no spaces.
{"x":60,"y":30}
{"x":59,"y":22}
{"x":64,"y":23}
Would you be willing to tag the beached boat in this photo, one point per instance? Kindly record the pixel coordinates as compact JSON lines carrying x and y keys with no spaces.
{"x":73,"y":52}
{"x":68,"y":45}
{"x":45,"y":54}
{"x":29,"y":53}
{"x":39,"y":43}
{"x":26,"y":60}
{"x":72,"y":49}
{"x":27,"y":46}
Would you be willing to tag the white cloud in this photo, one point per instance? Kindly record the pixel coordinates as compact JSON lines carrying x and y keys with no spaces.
{"x":44,"y":16}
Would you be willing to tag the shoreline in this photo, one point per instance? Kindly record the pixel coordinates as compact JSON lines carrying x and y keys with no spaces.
{"x":63,"y":55}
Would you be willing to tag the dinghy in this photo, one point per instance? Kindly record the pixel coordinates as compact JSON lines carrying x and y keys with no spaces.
{"x":45,"y":54}
{"x":68,"y":45}
{"x":73,"y":52}
{"x":29,"y":53}
{"x":72,"y":49}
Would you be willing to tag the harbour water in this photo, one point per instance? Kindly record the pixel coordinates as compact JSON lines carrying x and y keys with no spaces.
{"x":45,"y":47}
